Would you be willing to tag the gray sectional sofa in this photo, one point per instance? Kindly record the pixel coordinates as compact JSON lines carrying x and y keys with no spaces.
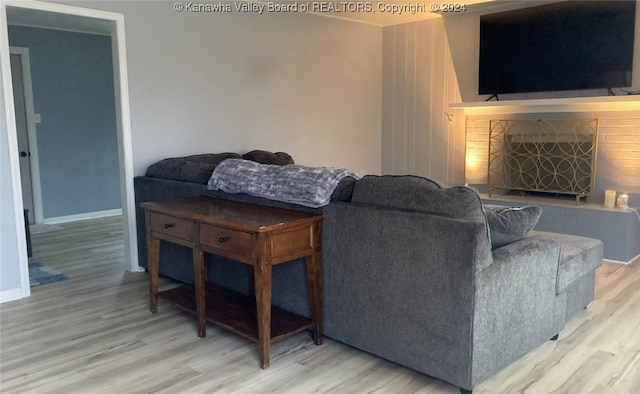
{"x":409,"y":273}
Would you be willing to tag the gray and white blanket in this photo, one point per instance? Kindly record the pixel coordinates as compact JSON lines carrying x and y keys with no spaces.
{"x":308,"y":186}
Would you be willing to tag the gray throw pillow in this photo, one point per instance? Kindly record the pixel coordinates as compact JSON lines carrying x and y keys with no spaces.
{"x":510,"y":224}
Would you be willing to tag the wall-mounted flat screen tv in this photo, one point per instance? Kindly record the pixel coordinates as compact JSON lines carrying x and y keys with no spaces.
{"x":569,"y":45}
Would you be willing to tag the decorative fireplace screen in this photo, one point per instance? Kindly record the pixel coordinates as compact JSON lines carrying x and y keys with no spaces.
{"x":556,"y":156}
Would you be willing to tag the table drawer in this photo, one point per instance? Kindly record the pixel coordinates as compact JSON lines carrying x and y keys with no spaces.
{"x":222,"y":238}
{"x":171,"y":225}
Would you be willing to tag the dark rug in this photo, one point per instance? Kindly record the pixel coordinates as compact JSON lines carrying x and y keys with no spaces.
{"x":42,"y":275}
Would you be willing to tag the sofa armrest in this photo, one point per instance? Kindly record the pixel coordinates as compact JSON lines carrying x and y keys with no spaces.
{"x":514,"y":303}
{"x":399,"y":284}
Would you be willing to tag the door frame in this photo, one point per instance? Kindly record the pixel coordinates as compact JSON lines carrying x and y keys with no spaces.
{"x":32,"y":136}
{"x":123,"y":126}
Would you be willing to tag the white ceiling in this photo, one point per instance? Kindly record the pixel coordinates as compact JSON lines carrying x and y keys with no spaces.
{"x":380,"y":15}
{"x":470,"y":6}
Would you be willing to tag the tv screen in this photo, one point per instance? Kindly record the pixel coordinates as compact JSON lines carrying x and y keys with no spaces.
{"x":570,"y":45}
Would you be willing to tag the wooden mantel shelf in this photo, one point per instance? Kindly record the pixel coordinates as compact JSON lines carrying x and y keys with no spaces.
{"x":573,"y":104}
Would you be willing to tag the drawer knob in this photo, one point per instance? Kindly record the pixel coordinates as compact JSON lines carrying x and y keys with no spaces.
{"x":221,"y":239}
{"x":169,"y":225}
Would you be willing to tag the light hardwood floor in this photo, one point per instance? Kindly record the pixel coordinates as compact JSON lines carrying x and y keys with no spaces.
{"x":93,"y":333}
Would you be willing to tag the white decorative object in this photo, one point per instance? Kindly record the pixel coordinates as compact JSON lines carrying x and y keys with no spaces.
{"x":623,"y":201}
{"x":609,"y":198}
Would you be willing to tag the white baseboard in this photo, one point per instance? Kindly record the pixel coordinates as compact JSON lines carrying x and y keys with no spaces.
{"x":11,"y":295}
{"x":622,"y":262}
{"x":83,"y":216}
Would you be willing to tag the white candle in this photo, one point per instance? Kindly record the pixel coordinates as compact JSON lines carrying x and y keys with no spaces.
{"x":609,"y":198}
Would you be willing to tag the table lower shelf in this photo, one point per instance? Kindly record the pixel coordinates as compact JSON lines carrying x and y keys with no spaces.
{"x":237,"y":312}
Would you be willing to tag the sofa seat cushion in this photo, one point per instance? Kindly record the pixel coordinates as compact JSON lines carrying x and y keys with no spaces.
{"x":578,"y":256}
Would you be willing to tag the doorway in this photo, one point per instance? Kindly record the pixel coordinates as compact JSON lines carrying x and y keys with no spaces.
{"x":115,"y":23}
{"x":73,"y":90}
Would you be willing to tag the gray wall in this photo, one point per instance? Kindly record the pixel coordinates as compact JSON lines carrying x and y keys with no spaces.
{"x":72,"y":78}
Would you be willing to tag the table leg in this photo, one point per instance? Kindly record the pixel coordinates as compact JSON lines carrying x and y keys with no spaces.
{"x":199,"y":273}
{"x":154,"y":268}
{"x":314,"y":281}
{"x":262,"y":275}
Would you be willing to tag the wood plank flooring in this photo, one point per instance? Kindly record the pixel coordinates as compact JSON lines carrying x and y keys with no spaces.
{"x":93,"y":333}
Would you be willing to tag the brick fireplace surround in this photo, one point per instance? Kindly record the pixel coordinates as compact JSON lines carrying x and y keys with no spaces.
{"x":618,"y":168}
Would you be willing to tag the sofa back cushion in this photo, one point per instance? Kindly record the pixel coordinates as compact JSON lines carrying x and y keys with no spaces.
{"x":198,"y":168}
{"x":194,"y":169}
{"x":414,"y":193}
{"x":265,"y":157}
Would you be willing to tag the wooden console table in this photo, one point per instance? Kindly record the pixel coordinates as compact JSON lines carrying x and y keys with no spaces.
{"x":256,"y":235}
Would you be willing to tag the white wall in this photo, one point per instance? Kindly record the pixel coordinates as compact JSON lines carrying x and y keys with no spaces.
{"x":9,"y":268}
{"x":10,"y":246}
{"x":214,"y":82}
{"x":419,"y":84}
{"x":303,"y":84}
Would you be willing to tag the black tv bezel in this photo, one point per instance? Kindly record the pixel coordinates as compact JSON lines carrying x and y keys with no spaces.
{"x":492,"y":87}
